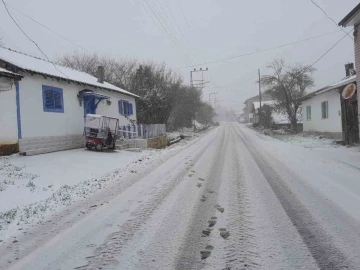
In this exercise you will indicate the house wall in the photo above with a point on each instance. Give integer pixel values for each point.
(357, 64)
(49, 131)
(8, 118)
(332, 124)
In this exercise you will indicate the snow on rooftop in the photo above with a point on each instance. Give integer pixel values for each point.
(38, 65)
(333, 86)
(2, 70)
(257, 103)
(344, 82)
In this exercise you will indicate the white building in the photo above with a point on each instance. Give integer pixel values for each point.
(322, 109)
(44, 111)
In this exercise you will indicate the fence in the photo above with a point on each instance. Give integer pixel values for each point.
(142, 131)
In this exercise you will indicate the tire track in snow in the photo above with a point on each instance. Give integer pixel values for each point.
(319, 243)
(105, 255)
(194, 245)
(240, 247)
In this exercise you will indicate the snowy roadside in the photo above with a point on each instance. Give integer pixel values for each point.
(330, 169)
(307, 140)
(32, 188)
(186, 132)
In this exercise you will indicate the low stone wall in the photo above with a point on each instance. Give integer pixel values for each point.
(157, 143)
(330, 135)
(8, 149)
(41, 145)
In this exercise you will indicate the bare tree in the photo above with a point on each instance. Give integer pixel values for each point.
(163, 96)
(287, 85)
(118, 72)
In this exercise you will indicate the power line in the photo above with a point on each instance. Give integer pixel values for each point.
(331, 48)
(312, 1)
(47, 27)
(163, 14)
(177, 24)
(233, 86)
(188, 24)
(30, 38)
(162, 28)
(261, 51)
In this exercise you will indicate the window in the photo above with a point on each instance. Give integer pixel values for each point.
(325, 110)
(308, 113)
(52, 99)
(125, 107)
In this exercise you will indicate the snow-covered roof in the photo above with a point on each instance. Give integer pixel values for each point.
(343, 82)
(257, 103)
(330, 87)
(38, 65)
(4, 71)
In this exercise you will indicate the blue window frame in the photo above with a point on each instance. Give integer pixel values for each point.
(52, 99)
(125, 107)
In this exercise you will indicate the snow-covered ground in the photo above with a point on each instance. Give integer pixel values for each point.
(187, 132)
(307, 140)
(332, 169)
(32, 187)
(231, 199)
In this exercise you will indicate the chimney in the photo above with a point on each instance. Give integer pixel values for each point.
(349, 69)
(101, 74)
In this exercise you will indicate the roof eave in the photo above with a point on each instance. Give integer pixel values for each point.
(73, 81)
(11, 75)
(344, 22)
(68, 80)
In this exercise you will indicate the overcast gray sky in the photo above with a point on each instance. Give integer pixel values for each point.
(218, 29)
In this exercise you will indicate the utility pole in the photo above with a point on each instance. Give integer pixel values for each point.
(198, 84)
(259, 95)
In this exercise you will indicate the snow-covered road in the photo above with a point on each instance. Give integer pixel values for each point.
(230, 200)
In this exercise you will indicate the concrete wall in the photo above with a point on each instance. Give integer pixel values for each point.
(357, 65)
(330, 125)
(49, 131)
(8, 117)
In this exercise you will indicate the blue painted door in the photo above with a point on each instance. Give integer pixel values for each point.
(89, 105)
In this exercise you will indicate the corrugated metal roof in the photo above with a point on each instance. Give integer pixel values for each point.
(5, 71)
(38, 65)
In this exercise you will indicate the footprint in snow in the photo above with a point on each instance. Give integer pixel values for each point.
(220, 209)
(201, 179)
(206, 232)
(224, 233)
(207, 252)
(190, 175)
(212, 221)
(199, 185)
(193, 171)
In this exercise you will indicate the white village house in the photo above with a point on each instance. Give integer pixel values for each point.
(322, 109)
(42, 105)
